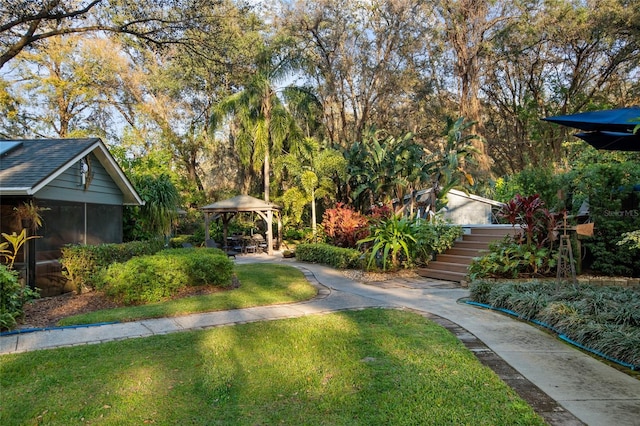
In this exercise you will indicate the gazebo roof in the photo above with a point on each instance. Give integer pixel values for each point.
(240, 203)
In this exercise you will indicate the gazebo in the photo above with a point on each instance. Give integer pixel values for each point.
(227, 209)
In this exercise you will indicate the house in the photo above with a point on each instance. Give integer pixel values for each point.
(461, 208)
(81, 190)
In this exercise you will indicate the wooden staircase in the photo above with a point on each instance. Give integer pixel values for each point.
(453, 264)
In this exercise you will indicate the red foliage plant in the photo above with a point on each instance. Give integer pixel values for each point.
(381, 212)
(345, 226)
(529, 212)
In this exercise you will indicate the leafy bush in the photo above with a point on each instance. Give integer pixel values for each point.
(337, 257)
(389, 241)
(631, 238)
(531, 180)
(614, 207)
(604, 255)
(344, 226)
(433, 237)
(606, 319)
(13, 296)
(83, 264)
(157, 277)
(509, 259)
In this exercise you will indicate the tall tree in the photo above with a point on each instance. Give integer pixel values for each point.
(68, 82)
(469, 27)
(261, 122)
(362, 58)
(559, 58)
(25, 23)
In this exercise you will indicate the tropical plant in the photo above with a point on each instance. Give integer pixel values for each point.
(451, 164)
(433, 237)
(510, 259)
(530, 214)
(29, 214)
(161, 202)
(390, 242)
(13, 296)
(383, 168)
(344, 226)
(15, 241)
(312, 172)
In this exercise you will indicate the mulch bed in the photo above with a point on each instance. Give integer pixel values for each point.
(46, 312)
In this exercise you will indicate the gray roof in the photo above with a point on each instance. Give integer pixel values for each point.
(28, 165)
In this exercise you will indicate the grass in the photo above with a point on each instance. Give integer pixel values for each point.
(365, 367)
(260, 284)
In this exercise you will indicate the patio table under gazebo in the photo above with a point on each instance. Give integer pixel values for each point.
(227, 209)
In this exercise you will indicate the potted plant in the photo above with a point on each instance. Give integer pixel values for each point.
(28, 215)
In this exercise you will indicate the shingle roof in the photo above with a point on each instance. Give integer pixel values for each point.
(32, 163)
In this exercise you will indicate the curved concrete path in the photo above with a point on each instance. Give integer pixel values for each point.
(561, 383)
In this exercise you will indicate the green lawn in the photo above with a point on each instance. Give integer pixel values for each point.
(260, 284)
(369, 367)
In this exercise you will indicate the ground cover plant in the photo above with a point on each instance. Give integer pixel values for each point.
(364, 367)
(259, 284)
(603, 319)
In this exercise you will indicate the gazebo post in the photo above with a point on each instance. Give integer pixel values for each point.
(269, 232)
(207, 216)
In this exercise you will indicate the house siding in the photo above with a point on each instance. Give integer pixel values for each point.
(68, 186)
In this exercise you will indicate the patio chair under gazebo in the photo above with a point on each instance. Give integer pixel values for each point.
(227, 209)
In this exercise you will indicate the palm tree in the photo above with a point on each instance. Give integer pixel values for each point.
(161, 203)
(261, 120)
(313, 170)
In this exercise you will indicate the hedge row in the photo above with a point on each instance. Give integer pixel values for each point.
(338, 257)
(153, 278)
(82, 264)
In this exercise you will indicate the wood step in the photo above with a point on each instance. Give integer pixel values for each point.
(453, 264)
(453, 258)
(495, 230)
(484, 238)
(446, 266)
(441, 275)
(464, 252)
(472, 245)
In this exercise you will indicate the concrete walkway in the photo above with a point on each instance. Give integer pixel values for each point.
(561, 383)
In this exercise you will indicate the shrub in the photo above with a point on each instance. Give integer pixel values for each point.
(337, 257)
(390, 240)
(13, 296)
(433, 237)
(153, 278)
(509, 259)
(83, 264)
(344, 226)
